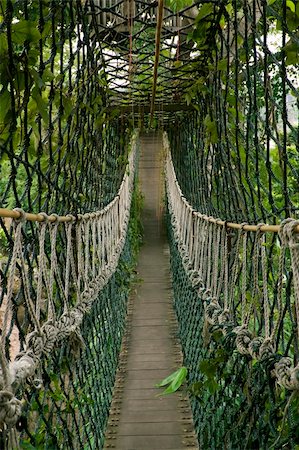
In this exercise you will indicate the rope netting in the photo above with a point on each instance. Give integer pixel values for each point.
(233, 167)
(64, 294)
(68, 71)
(238, 312)
(66, 264)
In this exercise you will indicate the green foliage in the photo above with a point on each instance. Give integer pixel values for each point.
(25, 30)
(178, 5)
(174, 381)
(41, 96)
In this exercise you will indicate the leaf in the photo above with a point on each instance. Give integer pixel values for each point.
(175, 381)
(292, 58)
(47, 75)
(42, 106)
(205, 11)
(292, 53)
(270, 2)
(177, 64)
(196, 388)
(37, 79)
(3, 44)
(222, 64)
(212, 385)
(5, 102)
(47, 30)
(25, 30)
(168, 379)
(25, 445)
(229, 8)
(178, 5)
(67, 105)
(207, 367)
(211, 127)
(291, 5)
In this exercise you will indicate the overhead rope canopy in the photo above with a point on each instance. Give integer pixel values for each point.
(77, 80)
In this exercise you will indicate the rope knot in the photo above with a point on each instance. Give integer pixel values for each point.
(287, 376)
(195, 278)
(255, 346)
(213, 311)
(207, 295)
(10, 409)
(54, 219)
(22, 216)
(201, 290)
(224, 317)
(69, 323)
(266, 350)
(35, 342)
(243, 339)
(286, 230)
(50, 333)
(45, 218)
(23, 367)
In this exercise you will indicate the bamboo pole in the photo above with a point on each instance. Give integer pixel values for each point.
(237, 226)
(13, 214)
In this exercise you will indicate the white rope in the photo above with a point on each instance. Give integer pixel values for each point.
(207, 266)
(95, 241)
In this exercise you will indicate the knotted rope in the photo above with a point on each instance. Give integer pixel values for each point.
(207, 267)
(94, 242)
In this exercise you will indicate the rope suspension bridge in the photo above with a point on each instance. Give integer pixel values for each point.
(96, 98)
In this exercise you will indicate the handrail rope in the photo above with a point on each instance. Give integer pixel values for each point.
(233, 225)
(42, 338)
(217, 310)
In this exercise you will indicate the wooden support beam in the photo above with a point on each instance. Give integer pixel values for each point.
(157, 54)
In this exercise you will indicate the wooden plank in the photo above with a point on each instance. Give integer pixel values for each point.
(144, 419)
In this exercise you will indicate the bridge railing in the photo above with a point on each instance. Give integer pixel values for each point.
(236, 294)
(72, 259)
(62, 291)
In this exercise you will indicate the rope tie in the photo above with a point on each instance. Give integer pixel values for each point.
(10, 409)
(243, 339)
(244, 275)
(225, 267)
(293, 243)
(85, 274)
(209, 273)
(223, 260)
(213, 311)
(235, 271)
(287, 376)
(68, 230)
(42, 270)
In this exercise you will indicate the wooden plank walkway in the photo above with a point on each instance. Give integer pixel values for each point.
(139, 418)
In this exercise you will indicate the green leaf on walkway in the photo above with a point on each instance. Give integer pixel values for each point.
(174, 381)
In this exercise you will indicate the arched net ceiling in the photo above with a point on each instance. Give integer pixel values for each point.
(127, 33)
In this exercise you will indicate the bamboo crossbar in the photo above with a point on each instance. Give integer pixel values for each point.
(13, 214)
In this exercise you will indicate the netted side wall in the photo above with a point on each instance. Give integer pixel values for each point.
(70, 408)
(236, 160)
(64, 154)
(236, 401)
(60, 150)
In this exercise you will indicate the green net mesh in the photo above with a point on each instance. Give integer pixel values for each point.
(75, 77)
